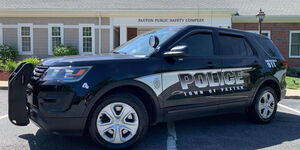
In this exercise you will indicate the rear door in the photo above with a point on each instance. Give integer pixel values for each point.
(239, 68)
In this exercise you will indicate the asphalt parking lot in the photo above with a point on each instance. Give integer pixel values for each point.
(230, 132)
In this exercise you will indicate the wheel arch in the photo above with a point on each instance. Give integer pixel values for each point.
(271, 82)
(137, 88)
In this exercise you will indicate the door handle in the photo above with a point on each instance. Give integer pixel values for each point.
(255, 62)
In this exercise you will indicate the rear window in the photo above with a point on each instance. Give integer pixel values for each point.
(234, 46)
(269, 47)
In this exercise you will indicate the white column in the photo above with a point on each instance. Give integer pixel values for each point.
(111, 34)
(99, 32)
(1, 34)
(123, 34)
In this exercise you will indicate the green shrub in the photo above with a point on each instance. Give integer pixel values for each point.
(7, 53)
(293, 71)
(2, 67)
(10, 65)
(64, 51)
(35, 61)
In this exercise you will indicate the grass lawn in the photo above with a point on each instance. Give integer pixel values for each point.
(291, 84)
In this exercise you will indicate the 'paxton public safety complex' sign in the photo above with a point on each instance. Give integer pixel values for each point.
(170, 20)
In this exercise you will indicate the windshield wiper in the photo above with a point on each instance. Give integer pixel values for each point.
(116, 52)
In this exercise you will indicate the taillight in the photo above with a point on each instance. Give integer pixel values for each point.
(285, 64)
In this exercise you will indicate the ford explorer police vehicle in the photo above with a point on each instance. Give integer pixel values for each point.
(172, 73)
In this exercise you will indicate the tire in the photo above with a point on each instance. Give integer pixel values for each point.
(261, 111)
(118, 114)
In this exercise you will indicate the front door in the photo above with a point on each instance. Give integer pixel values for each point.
(189, 81)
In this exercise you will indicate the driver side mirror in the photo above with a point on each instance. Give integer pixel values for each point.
(153, 41)
(177, 51)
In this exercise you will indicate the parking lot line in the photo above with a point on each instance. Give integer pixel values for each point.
(2, 117)
(171, 141)
(289, 108)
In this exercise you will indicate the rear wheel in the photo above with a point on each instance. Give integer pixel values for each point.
(119, 121)
(264, 106)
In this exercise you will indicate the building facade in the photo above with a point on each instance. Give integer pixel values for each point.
(34, 28)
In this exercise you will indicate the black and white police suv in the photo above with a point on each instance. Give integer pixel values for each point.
(168, 74)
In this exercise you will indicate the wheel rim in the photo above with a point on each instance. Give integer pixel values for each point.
(117, 123)
(266, 105)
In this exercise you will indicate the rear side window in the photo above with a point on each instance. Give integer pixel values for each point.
(269, 47)
(200, 44)
(234, 46)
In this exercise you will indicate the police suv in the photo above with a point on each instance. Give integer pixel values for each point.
(168, 74)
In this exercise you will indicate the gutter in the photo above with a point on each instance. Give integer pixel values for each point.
(268, 19)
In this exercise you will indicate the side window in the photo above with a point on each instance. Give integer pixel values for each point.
(234, 46)
(200, 44)
(269, 47)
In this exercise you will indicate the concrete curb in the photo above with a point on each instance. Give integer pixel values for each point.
(3, 88)
(3, 85)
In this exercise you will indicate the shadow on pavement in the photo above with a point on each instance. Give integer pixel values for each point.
(234, 131)
(43, 140)
(230, 132)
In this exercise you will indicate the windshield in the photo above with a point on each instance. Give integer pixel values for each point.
(140, 44)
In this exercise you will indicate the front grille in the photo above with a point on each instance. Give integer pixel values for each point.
(32, 88)
(38, 72)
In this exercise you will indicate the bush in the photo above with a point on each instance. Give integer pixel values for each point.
(10, 66)
(2, 67)
(7, 53)
(35, 61)
(293, 72)
(64, 51)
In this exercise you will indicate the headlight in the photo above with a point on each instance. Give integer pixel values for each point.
(67, 73)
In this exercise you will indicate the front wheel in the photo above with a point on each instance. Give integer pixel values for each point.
(119, 121)
(264, 106)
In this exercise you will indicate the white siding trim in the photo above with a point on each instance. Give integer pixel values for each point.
(50, 48)
(20, 38)
(290, 43)
(105, 27)
(263, 31)
(81, 39)
(10, 26)
(65, 26)
(1, 34)
(40, 26)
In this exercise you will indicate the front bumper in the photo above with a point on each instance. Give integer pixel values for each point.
(56, 112)
(52, 107)
(58, 125)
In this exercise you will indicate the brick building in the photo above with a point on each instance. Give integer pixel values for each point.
(35, 27)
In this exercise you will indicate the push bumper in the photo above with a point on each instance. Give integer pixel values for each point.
(58, 125)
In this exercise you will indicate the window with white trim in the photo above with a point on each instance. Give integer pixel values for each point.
(266, 33)
(55, 36)
(25, 41)
(87, 39)
(294, 44)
